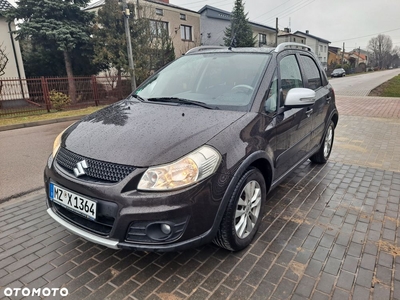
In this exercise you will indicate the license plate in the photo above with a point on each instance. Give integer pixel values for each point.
(72, 201)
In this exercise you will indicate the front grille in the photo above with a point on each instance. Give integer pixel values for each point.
(97, 169)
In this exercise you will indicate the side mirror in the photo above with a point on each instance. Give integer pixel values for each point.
(299, 97)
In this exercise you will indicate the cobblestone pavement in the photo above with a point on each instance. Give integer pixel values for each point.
(329, 232)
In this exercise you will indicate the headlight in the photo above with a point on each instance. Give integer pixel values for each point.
(188, 170)
(57, 142)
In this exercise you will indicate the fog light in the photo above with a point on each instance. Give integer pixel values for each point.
(165, 228)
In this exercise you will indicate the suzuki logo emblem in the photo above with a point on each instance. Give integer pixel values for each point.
(80, 168)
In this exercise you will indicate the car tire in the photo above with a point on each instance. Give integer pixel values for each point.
(325, 150)
(243, 213)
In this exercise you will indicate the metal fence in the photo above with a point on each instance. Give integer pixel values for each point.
(20, 96)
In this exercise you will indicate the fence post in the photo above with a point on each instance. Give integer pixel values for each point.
(95, 91)
(45, 91)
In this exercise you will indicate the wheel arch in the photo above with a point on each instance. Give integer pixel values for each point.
(335, 118)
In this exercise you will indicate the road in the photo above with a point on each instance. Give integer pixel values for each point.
(361, 85)
(23, 156)
(24, 152)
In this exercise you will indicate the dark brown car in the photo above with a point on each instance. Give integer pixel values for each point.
(190, 156)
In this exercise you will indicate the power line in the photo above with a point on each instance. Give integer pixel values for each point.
(271, 10)
(359, 37)
(290, 11)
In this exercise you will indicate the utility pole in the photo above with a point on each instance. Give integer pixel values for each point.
(343, 55)
(276, 34)
(358, 56)
(127, 13)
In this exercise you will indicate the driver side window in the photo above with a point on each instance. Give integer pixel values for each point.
(290, 75)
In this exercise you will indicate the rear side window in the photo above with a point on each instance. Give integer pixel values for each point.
(290, 75)
(311, 71)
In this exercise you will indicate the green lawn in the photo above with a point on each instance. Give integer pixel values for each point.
(41, 116)
(392, 88)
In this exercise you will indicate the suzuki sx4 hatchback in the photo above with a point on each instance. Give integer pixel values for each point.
(190, 156)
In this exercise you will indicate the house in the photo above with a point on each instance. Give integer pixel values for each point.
(14, 67)
(334, 56)
(286, 36)
(183, 25)
(214, 21)
(319, 46)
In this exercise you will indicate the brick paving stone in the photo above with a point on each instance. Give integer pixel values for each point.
(213, 280)
(170, 285)
(199, 294)
(147, 288)
(125, 275)
(345, 280)
(284, 289)
(305, 286)
(242, 291)
(233, 279)
(326, 283)
(123, 291)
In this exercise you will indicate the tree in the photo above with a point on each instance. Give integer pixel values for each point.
(109, 36)
(3, 63)
(396, 57)
(151, 45)
(58, 22)
(3, 59)
(381, 47)
(46, 60)
(239, 33)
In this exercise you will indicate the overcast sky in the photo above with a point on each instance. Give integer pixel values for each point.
(354, 22)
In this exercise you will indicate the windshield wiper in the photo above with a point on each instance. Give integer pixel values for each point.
(181, 101)
(138, 97)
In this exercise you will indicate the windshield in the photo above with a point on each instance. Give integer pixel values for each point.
(219, 80)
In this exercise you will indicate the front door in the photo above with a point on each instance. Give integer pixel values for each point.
(293, 126)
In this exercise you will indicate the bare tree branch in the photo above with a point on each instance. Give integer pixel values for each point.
(3, 59)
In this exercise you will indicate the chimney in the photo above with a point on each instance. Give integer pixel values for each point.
(286, 30)
(307, 32)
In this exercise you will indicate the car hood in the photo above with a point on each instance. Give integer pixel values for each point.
(145, 134)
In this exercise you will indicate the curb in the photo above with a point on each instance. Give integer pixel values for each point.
(39, 123)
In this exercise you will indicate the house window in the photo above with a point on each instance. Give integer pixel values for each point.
(294, 39)
(186, 32)
(262, 39)
(302, 41)
(182, 16)
(159, 12)
(158, 28)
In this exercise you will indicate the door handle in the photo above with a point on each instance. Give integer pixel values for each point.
(309, 112)
(328, 99)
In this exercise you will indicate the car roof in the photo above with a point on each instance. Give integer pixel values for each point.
(222, 49)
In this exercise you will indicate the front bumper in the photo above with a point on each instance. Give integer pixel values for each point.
(131, 219)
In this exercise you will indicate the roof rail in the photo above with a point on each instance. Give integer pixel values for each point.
(291, 45)
(204, 48)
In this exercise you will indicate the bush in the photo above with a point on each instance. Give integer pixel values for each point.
(59, 100)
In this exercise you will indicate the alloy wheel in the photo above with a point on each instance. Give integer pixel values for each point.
(328, 141)
(248, 209)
